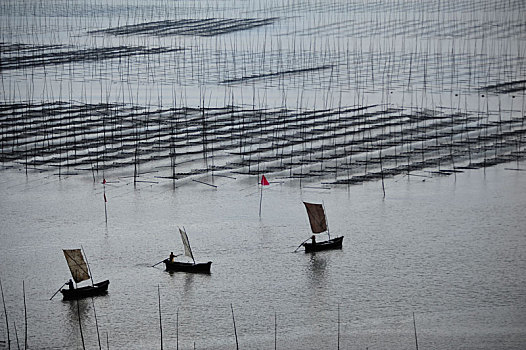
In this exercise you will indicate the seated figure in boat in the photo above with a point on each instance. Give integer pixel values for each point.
(70, 284)
(313, 239)
(172, 256)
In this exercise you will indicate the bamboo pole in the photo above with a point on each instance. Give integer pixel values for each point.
(338, 326)
(414, 326)
(96, 322)
(16, 336)
(80, 326)
(160, 317)
(6, 318)
(25, 314)
(234, 322)
(275, 331)
(105, 202)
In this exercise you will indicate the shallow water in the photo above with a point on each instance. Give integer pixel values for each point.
(449, 249)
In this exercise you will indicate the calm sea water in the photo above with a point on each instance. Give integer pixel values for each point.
(450, 249)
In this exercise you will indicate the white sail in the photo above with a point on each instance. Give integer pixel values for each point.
(77, 265)
(186, 244)
(318, 222)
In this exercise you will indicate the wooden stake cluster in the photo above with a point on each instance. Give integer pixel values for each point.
(349, 144)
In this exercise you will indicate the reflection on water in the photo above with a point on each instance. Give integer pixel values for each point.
(316, 269)
(77, 318)
(78, 308)
(188, 283)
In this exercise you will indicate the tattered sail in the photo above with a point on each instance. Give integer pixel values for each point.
(186, 244)
(77, 265)
(318, 223)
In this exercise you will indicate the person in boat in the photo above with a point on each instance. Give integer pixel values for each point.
(313, 239)
(70, 284)
(172, 256)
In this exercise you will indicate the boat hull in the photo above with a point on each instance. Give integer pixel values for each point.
(334, 243)
(177, 266)
(100, 288)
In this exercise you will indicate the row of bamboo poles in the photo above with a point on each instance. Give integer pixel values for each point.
(348, 144)
(82, 307)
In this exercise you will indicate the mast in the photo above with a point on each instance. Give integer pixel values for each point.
(87, 264)
(326, 221)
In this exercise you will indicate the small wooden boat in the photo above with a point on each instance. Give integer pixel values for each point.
(100, 288)
(179, 266)
(334, 243)
(80, 272)
(318, 224)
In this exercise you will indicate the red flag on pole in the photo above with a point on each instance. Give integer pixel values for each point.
(103, 181)
(264, 182)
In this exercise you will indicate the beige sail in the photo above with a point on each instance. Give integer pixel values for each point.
(77, 265)
(318, 223)
(186, 244)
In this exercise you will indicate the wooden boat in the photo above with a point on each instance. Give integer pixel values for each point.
(318, 224)
(179, 266)
(100, 288)
(176, 266)
(80, 272)
(334, 243)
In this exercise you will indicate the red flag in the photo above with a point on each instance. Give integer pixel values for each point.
(264, 181)
(105, 200)
(103, 181)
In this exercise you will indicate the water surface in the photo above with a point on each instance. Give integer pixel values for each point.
(449, 249)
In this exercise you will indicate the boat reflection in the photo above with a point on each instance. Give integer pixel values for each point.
(316, 269)
(76, 307)
(77, 310)
(188, 283)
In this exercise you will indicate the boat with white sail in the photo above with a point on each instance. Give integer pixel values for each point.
(181, 266)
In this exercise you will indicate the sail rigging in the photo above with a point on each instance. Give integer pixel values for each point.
(183, 266)
(77, 265)
(318, 222)
(186, 244)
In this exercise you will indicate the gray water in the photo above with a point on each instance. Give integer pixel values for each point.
(442, 87)
(450, 249)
